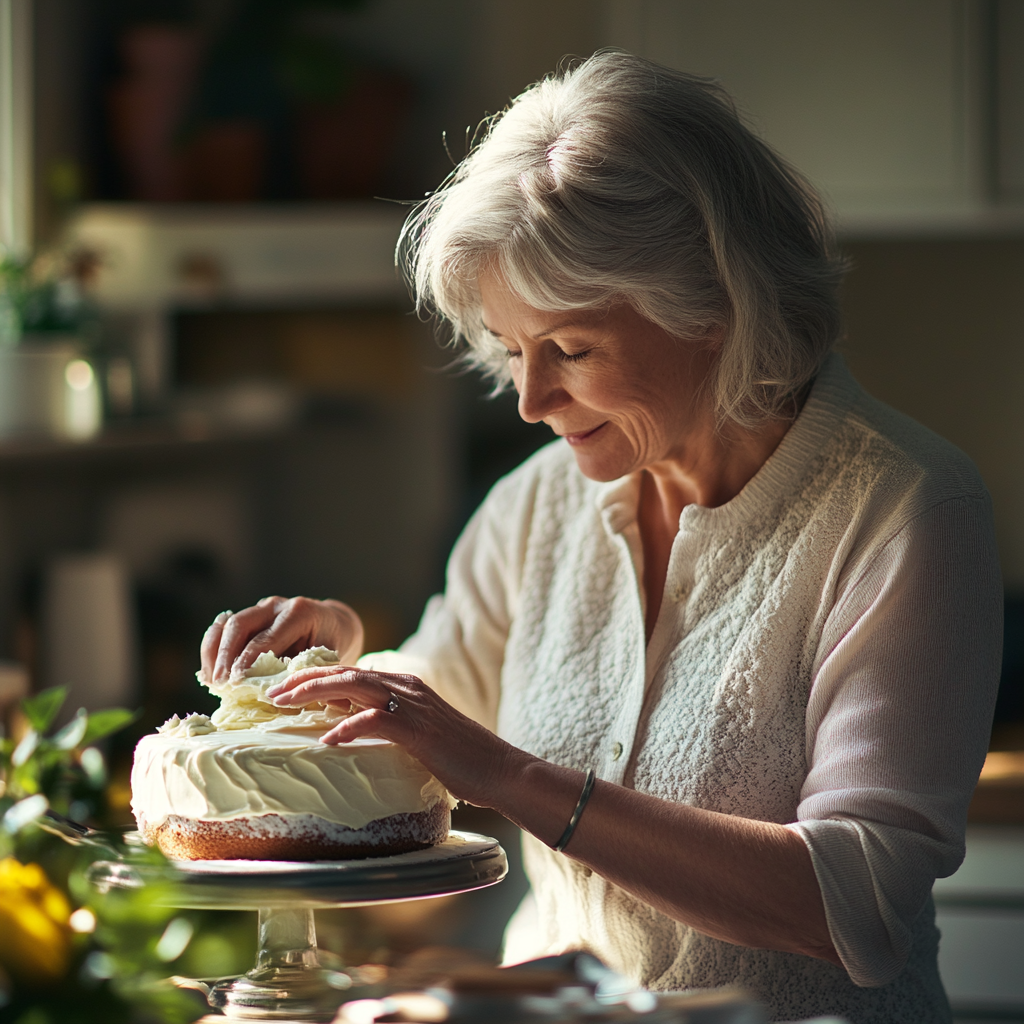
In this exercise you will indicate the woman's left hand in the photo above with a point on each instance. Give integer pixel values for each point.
(467, 758)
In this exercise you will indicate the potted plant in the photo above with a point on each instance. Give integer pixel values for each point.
(48, 387)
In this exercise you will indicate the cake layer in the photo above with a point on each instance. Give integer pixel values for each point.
(193, 770)
(298, 836)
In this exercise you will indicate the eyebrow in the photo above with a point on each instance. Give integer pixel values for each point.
(557, 326)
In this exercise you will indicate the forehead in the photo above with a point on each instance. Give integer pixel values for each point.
(502, 307)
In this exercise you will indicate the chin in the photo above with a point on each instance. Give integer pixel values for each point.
(602, 470)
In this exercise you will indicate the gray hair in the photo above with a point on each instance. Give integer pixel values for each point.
(622, 180)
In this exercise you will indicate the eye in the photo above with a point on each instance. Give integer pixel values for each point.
(509, 354)
(573, 357)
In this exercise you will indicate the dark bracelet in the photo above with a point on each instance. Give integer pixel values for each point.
(588, 788)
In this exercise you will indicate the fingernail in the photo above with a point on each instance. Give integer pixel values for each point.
(275, 689)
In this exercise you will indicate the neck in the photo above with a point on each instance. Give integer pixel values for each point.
(719, 468)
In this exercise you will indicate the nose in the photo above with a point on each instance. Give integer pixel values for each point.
(540, 389)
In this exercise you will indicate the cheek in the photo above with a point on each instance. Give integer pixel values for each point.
(644, 428)
(646, 415)
(622, 392)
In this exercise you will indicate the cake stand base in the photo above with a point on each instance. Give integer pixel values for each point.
(288, 982)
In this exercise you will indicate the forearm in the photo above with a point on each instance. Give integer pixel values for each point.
(747, 882)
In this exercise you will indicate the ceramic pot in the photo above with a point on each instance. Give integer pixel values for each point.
(47, 390)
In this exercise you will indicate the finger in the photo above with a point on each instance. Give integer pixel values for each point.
(210, 645)
(350, 685)
(306, 675)
(368, 689)
(236, 633)
(293, 626)
(371, 722)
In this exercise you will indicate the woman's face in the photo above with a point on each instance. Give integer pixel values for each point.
(623, 392)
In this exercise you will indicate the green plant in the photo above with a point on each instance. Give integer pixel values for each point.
(58, 771)
(69, 953)
(44, 294)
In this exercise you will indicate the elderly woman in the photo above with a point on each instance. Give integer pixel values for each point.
(760, 607)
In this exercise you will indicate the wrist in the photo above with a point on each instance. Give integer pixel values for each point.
(350, 636)
(541, 797)
(589, 780)
(497, 786)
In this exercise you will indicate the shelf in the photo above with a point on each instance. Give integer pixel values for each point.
(194, 257)
(162, 439)
(153, 256)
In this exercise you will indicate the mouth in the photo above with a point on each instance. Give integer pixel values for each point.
(584, 436)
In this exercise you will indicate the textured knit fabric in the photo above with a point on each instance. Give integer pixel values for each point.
(826, 657)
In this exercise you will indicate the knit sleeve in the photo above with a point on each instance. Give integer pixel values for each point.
(459, 646)
(897, 729)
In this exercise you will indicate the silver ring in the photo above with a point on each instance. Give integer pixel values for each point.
(392, 705)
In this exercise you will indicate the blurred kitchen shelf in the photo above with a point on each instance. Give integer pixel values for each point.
(162, 255)
(162, 440)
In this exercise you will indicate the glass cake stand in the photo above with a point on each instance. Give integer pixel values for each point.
(288, 981)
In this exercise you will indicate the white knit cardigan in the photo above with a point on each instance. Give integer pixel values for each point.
(826, 657)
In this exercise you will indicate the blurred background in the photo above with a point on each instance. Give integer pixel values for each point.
(212, 389)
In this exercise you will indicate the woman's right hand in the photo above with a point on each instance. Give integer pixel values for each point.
(284, 625)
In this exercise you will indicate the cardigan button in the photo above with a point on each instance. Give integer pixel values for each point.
(616, 751)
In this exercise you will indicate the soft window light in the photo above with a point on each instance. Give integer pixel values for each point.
(79, 375)
(83, 411)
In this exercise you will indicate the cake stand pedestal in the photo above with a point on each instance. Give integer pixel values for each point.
(288, 983)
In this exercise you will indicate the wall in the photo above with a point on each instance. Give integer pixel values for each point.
(936, 329)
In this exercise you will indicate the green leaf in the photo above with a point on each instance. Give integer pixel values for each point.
(71, 735)
(26, 748)
(24, 780)
(103, 723)
(42, 709)
(24, 812)
(95, 767)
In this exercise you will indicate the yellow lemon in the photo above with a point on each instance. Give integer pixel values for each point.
(35, 938)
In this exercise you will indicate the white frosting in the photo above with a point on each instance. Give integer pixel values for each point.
(251, 758)
(190, 725)
(244, 703)
(219, 775)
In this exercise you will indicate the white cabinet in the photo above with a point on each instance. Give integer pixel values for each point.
(891, 108)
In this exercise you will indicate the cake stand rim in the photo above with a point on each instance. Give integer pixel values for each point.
(438, 853)
(419, 874)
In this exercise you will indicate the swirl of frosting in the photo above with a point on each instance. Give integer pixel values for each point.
(244, 703)
(190, 725)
